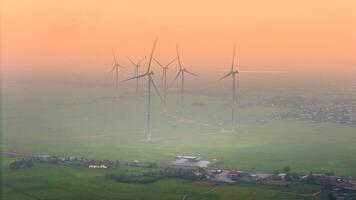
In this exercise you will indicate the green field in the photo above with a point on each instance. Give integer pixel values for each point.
(77, 120)
(45, 181)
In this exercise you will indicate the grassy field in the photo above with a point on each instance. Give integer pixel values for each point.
(45, 181)
(81, 120)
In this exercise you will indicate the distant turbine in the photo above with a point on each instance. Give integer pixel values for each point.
(148, 74)
(164, 76)
(116, 66)
(137, 66)
(233, 74)
(181, 73)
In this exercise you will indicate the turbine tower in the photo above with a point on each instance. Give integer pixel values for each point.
(233, 73)
(164, 76)
(150, 82)
(115, 68)
(137, 66)
(181, 73)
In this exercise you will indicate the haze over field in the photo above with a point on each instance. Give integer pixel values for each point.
(60, 53)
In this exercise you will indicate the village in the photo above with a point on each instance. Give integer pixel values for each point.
(204, 170)
(306, 109)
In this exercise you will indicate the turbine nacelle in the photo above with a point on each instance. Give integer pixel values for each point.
(164, 66)
(136, 64)
(118, 65)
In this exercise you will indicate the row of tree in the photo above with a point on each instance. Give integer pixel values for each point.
(155, 175)
(19, 164)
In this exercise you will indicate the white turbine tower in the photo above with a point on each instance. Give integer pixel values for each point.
(137, 66)
(115, 67)
(181, 73)
(150, 82)
(233, 74)
(164, 77)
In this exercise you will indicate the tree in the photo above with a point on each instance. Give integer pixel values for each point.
(21, 164)
(286, 169)
(331, 196)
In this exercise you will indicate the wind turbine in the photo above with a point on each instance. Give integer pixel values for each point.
(181, 73)
(233, 74)
(137, 66)
(150, 82)
(115, 67)
(164, 76)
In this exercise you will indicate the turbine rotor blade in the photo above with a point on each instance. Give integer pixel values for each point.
(190, 73)
(228, 74)
(176, 77)
(136, 77)
(107, 76)
(113, 68)
(233, 56)
(131, 61)
(113, 52)
(141, 60)
(158, 62)
(149, 63)
(171, 62)
(155, 87)
(180, 65)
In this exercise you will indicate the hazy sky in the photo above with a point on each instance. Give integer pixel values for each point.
(75, 37)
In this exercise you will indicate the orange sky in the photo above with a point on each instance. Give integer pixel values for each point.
(42, 37)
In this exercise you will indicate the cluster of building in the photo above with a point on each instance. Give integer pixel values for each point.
(331, 112)
(191, 161)
(235, 176)
(340, 187)
(97, 166)
(316, 110)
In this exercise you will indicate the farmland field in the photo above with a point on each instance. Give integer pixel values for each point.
(87, 121)
(45, 181)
